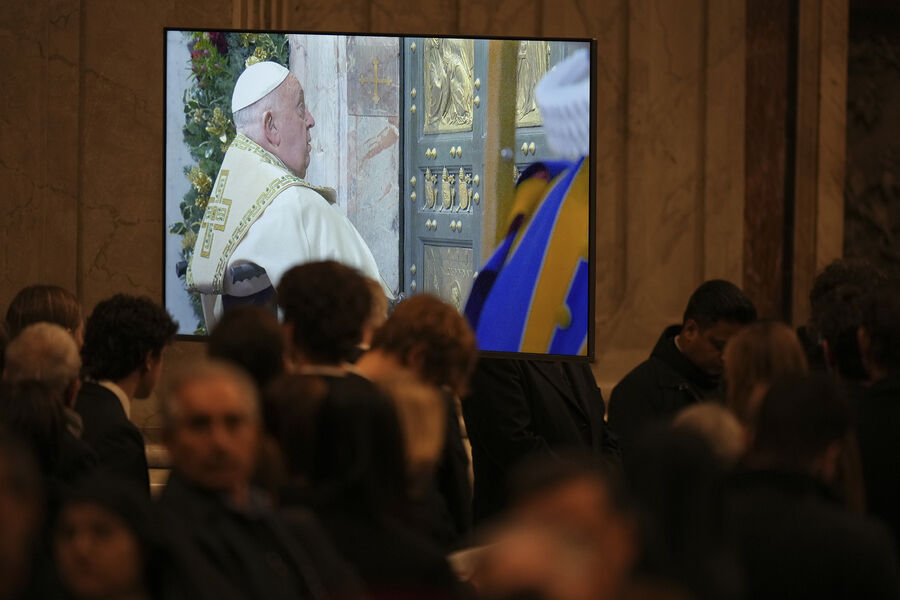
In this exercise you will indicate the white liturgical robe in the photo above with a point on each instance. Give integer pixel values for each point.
(263, 214)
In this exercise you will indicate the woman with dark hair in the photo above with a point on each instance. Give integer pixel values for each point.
(45, 303)
(344, 451)
(104, 542)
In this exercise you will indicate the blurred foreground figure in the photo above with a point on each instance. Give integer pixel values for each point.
(24, 569)
(569, 536)
(794, 538)
(105, 542)
(219, 526)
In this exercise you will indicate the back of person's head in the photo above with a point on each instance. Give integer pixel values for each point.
(33, 411)
(121, 333)
(718, 426)
(858, 273)
(838, 317)
(251, 338)
(880, 325)
(799, 419)
(46, 353)
(325, 305)
(121, 558)
(719, 300)
(432, 338)
(755, 356)
(44, 303)
(21, 499)
(352, 455)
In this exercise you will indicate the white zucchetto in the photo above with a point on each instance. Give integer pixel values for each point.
(256, 82)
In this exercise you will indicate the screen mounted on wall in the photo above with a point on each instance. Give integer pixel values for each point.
(454, 167)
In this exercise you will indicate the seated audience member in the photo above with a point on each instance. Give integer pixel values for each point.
(251, 338)
(755, 356)
(685, 366)
(48, 304)
(215, 522)
(718, 426)
(794, 538)
(430, 339)
(878, 407)
(675, 480)
(122, 359)
(344, 448)
(25, 571)
(325, 306)
(46, 354)
(832, 316)
(520, 409)
(570, 534)
(105, 542)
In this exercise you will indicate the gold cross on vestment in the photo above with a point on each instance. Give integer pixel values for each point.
(374, 80)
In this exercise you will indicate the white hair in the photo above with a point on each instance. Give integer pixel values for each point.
(249, 120)
(43, 352)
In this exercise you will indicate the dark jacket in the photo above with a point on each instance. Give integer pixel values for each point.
(657, 388)
(444, 513)
(225, 552)
(528, 408)
(116, 440)
(878, 433)
(392, 560)
(794, 540)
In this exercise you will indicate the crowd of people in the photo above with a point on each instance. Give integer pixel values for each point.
(329, 450)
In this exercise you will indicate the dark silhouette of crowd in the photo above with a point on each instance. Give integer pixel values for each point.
(334, 451)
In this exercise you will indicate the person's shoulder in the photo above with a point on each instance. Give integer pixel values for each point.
(646, 373)
(94, 399)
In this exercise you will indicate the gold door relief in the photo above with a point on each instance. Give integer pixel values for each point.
(449, 85)
(533, 61)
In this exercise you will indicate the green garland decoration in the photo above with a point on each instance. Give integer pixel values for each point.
(217, 60)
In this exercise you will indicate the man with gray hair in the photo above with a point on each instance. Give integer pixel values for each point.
(47, 354)
(263, 217)
(216, 523)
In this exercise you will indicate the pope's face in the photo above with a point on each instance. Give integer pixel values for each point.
(294, 122)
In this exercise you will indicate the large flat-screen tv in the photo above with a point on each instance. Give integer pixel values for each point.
(431, 164)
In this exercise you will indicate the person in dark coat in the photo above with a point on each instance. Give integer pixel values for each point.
(793, 536)
(344, 448)
(429, 338)
(878, 407)
(214, 521)
(522, 409)
(686, 364)
(122, 359)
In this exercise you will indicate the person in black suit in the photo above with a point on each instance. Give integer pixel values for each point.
(686, 364)
(122, 358)
(525, 408)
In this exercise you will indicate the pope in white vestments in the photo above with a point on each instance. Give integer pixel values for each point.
(262, 211)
